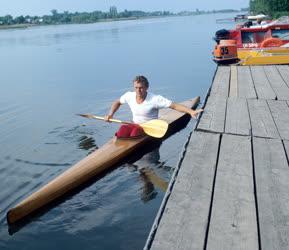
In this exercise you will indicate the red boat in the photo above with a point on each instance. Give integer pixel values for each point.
(263, 34)
(248, 35)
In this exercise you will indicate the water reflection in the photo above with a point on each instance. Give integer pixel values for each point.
(82, 135)
(147, 166)
(42, 163)
(87, 143)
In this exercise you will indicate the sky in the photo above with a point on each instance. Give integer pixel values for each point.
(42, 7)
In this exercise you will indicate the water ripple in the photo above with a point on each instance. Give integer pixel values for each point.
(42, 163)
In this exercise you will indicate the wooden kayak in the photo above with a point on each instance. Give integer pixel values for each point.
(98, 161)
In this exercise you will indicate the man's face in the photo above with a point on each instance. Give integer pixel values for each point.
(140, 89)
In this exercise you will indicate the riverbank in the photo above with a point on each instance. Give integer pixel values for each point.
(16, 26)
(26, 25)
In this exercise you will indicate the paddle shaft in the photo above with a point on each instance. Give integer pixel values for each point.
(111, 120)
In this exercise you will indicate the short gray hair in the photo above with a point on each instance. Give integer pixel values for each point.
(141, 79)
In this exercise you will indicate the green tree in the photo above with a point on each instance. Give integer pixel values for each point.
(8, 19)
(19, 20)
(54, 12)
(65, 17)
(269, 6)
(113, 11)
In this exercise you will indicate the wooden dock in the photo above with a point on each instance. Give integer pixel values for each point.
(231, 189)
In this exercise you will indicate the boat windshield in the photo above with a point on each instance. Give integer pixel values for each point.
(247, 37)
(260, 36)
(282, 34)
(253, 37)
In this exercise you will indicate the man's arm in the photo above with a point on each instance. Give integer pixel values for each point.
(184, 109)
(114, 107)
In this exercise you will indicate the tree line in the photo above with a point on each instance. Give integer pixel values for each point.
(274, 8)
(78, 17)
(90, 17)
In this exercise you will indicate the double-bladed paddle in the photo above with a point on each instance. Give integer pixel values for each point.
(155, 128)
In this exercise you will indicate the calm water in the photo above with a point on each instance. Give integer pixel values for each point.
(48, 74)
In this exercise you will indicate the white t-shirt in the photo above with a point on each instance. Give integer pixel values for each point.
(148, 109)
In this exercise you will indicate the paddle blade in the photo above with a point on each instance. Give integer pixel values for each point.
(90, 116)
(155, 128)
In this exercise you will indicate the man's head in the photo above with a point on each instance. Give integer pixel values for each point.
(141, 86)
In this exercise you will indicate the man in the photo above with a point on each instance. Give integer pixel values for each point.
(145, 105)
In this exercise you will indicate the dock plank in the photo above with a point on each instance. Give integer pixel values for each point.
(220, 86)
(245, 83)
(272, 178)
(277, 82)
(233, 222)
(286, 145)
(213, 117)
(234, 82)
(284, 71)
(185, 219)
(262, 85)
(261, 119)
(280, 113)
(237, 118)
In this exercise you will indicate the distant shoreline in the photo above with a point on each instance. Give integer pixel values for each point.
(17, 26)
(29, 25)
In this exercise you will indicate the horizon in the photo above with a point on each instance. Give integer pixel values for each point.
(32, 7)
(72, 12)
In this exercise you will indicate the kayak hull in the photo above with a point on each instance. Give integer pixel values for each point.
(95, 163)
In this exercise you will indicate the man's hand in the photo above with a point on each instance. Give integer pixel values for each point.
(108, 117)
(114, 107)
(181, 108)
(194, 113)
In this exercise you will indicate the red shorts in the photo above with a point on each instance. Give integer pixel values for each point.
(129, 131)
